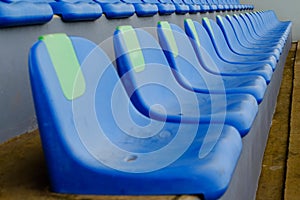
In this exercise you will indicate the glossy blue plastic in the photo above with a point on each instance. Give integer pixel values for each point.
(143, 9)
(247, 42)
(164, 7)
(99, 143)
(19, 13)
(212, 7)
(181, 8)
(251, 38)
(194, 8)
(220, 6)
(116, 9)
(253, 33)
(235, 45)
(223, 68)
(192, 76)
(156, 93)
(226, 53)
(204, 7)
(261, 28)
(74, 10)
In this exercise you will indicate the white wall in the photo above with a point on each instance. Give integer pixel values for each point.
(285, 10)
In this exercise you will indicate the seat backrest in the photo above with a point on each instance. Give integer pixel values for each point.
(237, 28)
(243, 25)
(216, 37)
(228, 32)
(248, 24)
(116, 9)
(25, 12)
(202, 45)
(72, 82)
(182, 58)
(147, 76)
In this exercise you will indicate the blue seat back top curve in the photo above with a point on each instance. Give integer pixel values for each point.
(164, 7)
(92, 135)
(181, 8)
(19, 13)
(116, 8)
(74, 10)
(194, 8)
(143, 9)
(204, 7)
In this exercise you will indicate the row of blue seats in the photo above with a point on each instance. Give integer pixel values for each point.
(25, 12)
(169, 120)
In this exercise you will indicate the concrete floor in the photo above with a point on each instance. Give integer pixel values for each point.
(23, 172)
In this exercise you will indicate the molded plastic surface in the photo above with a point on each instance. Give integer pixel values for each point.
(164, 7)
(99, 143)
(77, 10)
(226, 53)
(245, 41)
(204, 7)
(194, 77)
(143, 9)
(236, 46)
(116, 9)
(181, 8)
(194, 8)
(223, 67)
(156, 93)
(19, 13)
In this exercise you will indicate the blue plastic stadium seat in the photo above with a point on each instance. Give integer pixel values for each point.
(245, 41)
(194, 8)
(154, 90)
(116, 9)
(225, 5)
(235, 5)
(200, 38)
(96, 142)
(226, 53)
(193, 76)
(252, 38)
(229, 3)
(254, 30)
(76, 10)
(220, 6)
(143, 9)
(204, 7)
(181, 8)
(19, 13)
(212, 7)
(163, 8)
(235, 44)
(270, 19)
(262, 28)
